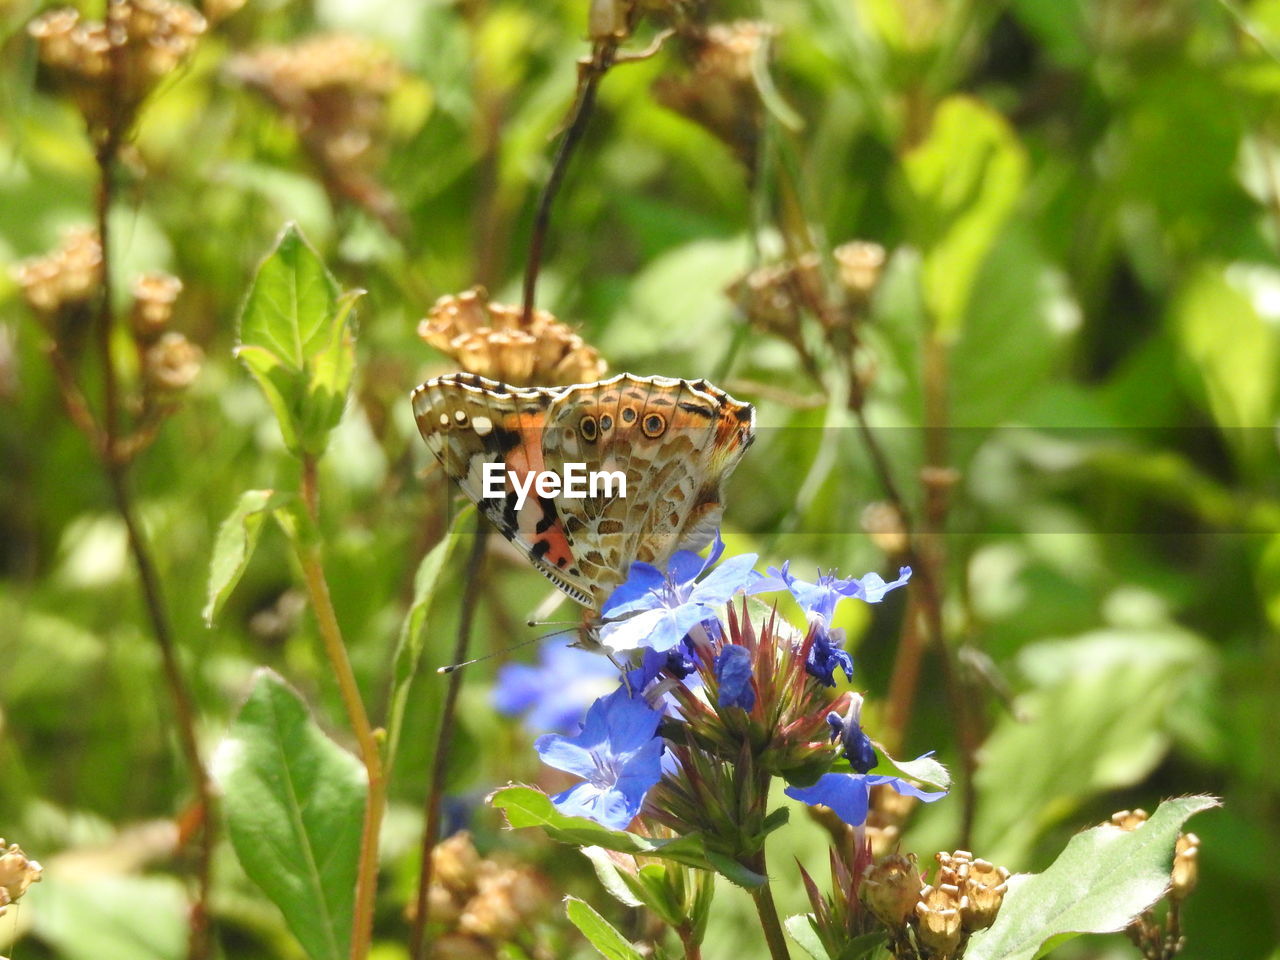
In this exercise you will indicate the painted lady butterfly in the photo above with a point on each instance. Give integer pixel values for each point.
(675, 441)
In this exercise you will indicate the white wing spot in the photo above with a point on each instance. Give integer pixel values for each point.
(444, 419)
(482, 425)
(460, 416)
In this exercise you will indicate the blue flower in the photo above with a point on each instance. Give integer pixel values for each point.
(847, 793)
(733, 674)
(657, 609)
(827, 652)
(857, 746)
(678, 661)
(555, 694)
(819, 599)
(617, 754)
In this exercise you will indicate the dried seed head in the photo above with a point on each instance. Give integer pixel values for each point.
(719, 91)
(493, 340)
(953, 867)
(154, 295)
(17, 873)
(1186, 868)
(456, 864)
(172, 363)
(456, 946)
(505, 900)
(883, 523)
(984, 888)
(108, 68)
(68, 276)
(859, 265)
(774, 297)
(1129, 819)
(938, 920)
(891, 888)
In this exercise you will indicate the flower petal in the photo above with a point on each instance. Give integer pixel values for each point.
(906, 787)
(733, 673)
(563, 754)
(725, 580)
(844, 793)
(638, 592)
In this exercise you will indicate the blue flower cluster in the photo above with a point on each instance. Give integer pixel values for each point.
(618, 752)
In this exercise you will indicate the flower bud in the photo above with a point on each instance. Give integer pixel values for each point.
(153, 298)
(1185, 866)
(938, 920)
(172, 363)
(891, 888)
(984, 888)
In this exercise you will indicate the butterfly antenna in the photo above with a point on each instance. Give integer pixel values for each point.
(450, 668)
(551, 623)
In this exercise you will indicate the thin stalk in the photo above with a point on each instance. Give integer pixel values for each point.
(594, 70)
(419, 945)
(370, 753)
(689, 940)
(116, 468)
(767, 911)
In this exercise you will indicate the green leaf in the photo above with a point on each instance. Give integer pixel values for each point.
(621, 885)
(84, 914)
(1233, 354)
(1097, 717)
(296, 340)
(409, 645)
(294, 803)
(1103, 879)
(964, 181)
(527, 807)
(925, 769)
(597, 929)
(291, 298)
(800, 929)
(234, 545)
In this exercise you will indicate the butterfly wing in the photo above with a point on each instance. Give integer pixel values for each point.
(469, 422)
(674, 441)
(666, 446)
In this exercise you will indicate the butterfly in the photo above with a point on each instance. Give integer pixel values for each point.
(672, 442)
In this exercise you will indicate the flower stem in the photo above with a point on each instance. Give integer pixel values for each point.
(767, 910)
(105, 440)
(419, 945)
(689, 940)
(370, 753)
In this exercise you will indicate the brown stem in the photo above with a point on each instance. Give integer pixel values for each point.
(116, 468)
(688, 940)
(370, 752)
(419, 945)
(593, 70)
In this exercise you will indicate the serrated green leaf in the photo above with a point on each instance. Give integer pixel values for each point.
(234, 545)
(800, 929)
(282, 387)
(1102, 880)
(294, 803)
(964, 181)
(735, 872)
(409, 645)
(608, 941)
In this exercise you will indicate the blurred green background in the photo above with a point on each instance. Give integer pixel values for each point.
(1080, 201)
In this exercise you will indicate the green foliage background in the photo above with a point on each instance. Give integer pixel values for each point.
(1082, 198)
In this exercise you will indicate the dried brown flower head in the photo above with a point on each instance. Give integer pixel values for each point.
(108, 67)
(334, 89)
(493, 340)
(984, 888)
(1129, 819)
(774, 297)
(172, 363)
(60, 287)
(890, 889)
(154, 295)
(938, 920)
(859, 265)
(17, 873)
(1186, 868)
(719, 92)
